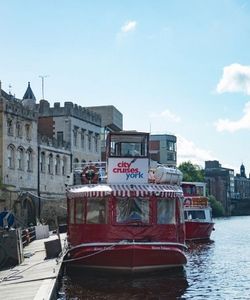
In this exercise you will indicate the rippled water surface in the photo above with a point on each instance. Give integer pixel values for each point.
(219, 269)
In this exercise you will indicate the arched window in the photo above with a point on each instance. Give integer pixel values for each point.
(57, 165)
(20, 158)
(28, 131)
(50, 165)
(29, 160)
(43, 161)
(10, 127)
(11, 156)
(19, 129)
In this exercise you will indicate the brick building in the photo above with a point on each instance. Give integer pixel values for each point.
(220, 183)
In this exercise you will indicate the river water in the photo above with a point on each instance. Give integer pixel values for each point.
(219, 269)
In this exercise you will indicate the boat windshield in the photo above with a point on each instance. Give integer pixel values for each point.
(194, 215)
(129, 210)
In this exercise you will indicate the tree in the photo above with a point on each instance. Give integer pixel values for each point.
(191, 172)
(217, 208)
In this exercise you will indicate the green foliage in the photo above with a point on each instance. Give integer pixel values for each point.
(191, 172)
(217, 208)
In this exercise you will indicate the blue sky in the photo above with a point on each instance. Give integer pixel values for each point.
(180, 67)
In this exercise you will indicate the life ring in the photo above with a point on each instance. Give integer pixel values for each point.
(90, 175)
(187, 202)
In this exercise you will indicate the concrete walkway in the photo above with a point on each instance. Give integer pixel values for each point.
(35, 278)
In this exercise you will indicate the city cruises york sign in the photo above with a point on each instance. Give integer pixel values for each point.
(127, 170)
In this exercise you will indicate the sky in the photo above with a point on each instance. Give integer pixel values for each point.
(169, 66)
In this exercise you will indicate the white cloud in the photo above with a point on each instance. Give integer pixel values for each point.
(188, 151)
(232, 126)
(235, 78)
(167, 115)
(129, 26)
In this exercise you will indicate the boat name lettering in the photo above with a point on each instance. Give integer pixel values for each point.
(99, 248)
(159, 248)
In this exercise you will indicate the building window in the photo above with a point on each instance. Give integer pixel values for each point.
(75, 136)
(171, 146)
(64, 166)
(20, 158)
(171, 156)
(19, 129)
(28, 131)
(82, 138)
(90, 140)
(11, 157)
(10, 127)
(57, 165)
(29, 160)
(43, 161)
(96, 142)
(60, 138)
(50, 165)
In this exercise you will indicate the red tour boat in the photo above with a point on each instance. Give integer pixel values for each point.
(197, 211)
(126, 223)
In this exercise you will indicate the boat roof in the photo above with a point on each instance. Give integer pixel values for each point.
(125, 190)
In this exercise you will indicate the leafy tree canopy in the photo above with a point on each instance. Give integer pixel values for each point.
(217, 207)
(191, 172)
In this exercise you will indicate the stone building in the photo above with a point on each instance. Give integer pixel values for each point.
(220, 183)
(18, 160)
(162, 148)
(40, 145)
(112, 120)
(242, 185)
(75, 125)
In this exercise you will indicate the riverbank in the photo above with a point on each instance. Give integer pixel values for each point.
(36, 278)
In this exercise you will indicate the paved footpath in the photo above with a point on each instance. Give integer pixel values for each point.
(36, 278)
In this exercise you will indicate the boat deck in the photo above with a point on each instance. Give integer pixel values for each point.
(36, 277)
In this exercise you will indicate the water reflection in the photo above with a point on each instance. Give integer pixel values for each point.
(219, 269)
(160, 285)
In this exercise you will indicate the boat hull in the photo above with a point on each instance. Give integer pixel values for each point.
(127, 258)
(196, 230)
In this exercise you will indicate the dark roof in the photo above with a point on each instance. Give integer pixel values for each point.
(6, 95)
(29, 93)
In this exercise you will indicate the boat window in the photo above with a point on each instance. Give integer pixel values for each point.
(129, 145)
(189, 190)
(132, 210)
(195, 214)
(72, 211)
(96, 211)
(166, 211)
(79, 203)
